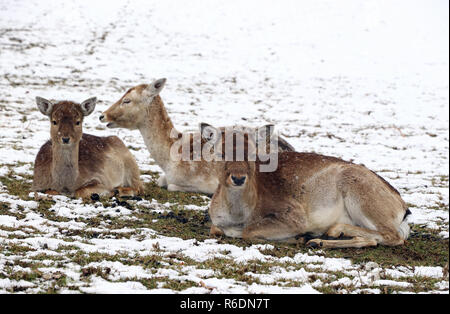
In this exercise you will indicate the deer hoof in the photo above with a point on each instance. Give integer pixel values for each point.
(216, 231)
(315, 243)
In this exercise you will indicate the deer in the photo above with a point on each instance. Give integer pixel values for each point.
(141, 108)
(79, 164)
(319, 200)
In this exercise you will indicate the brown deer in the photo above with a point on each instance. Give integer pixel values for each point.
(80, 164)
(309, 195)
(141, 108)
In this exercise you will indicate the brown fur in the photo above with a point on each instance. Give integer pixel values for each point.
(86, 164)
(91, 153)
(309, 194)
(142, 108)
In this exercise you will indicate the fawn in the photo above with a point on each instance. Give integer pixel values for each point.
(141, 108)
(308, 195)
(80, 164)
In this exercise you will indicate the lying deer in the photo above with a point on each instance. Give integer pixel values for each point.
(307, 195)
(80, 164)
(142, 108)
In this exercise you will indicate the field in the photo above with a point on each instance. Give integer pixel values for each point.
(363, 81)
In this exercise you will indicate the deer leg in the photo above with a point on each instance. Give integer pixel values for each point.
(126, 191)
(216, 231)
(133, 185)
(356, 242)
(360, 237)
(271, 229)
(90, 188)
(374, 207)
(178, 188)
(162, 181)
(138, 187)
(52, 192)
(345, 230)
(181, 188)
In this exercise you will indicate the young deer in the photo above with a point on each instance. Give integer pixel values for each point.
(308, 195)
(141, 108)
(80, 164)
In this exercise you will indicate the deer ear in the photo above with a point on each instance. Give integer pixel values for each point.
(45, 106)
(88, 106)
(156, 87)
(265, 132)
(209, 133)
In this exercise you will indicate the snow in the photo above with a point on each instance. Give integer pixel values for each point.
(361, 80)
(102, 286)
(6, 283)
(392, 283)
(424, 271)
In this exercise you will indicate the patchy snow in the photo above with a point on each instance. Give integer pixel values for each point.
(6, 284)
(100, 285)
(424, 271)
(358, 80)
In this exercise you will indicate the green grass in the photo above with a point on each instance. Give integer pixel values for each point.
(20, 188)
(191, 224)
(162, 195)
(424, 247)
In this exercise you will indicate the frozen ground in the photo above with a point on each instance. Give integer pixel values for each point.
(362, 80)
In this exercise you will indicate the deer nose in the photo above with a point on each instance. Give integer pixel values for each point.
(66, 140)
(101, 118)
(238, 180)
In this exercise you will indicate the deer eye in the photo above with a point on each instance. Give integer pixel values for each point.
(78, 123)
(54, 122)
(126, 101)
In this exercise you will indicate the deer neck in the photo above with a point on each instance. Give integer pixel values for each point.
(242, 202)
(156, 131)
(65, 167)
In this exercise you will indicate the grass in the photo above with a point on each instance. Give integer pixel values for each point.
(417, 252)
(17, 187)
(424, 247)
(161, 195)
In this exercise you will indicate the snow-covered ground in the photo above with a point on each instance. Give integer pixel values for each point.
(362, 80)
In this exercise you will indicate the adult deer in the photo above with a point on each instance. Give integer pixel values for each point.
(141, 108)
(308, 195)
(80, 164)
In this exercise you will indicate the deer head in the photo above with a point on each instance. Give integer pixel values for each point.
(237, 149)
(66, 119)
(128, 111)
